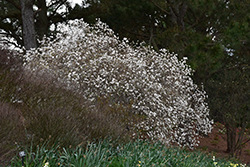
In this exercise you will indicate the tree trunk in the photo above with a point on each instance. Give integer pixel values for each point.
(29, 34)
(231, 139)
(42, 22)
(178, 12)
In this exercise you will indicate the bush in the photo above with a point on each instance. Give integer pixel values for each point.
(95, 63)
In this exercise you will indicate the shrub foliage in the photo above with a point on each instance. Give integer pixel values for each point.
(92, 61)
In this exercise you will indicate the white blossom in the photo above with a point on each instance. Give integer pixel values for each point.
(101, 65)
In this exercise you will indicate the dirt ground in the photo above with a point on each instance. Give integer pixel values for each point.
(216, 143)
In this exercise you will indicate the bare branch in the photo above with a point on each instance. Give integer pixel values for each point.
(158, 6)
(14, 4)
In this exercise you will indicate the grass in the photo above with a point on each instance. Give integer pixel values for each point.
(108, 153)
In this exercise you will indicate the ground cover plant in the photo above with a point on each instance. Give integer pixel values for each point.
(156, 85)
(105, 153)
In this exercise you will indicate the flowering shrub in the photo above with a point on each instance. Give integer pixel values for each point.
(92, 60)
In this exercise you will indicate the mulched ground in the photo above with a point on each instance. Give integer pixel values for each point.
(216, 143)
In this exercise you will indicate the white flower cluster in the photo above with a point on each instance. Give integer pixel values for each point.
(157, 84)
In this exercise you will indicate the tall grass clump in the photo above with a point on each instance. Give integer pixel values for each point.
(35, 106)
(11, 121)
(11, 131)
(11, 69)
(92, 61)
(60, 114)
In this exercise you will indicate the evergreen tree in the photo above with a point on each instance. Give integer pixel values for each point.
(46, 13)
(29, 34)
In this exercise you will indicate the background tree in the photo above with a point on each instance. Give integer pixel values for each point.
(46, 13)
(29, 34)
(232, 99)
(231, 81)
(10, 20)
